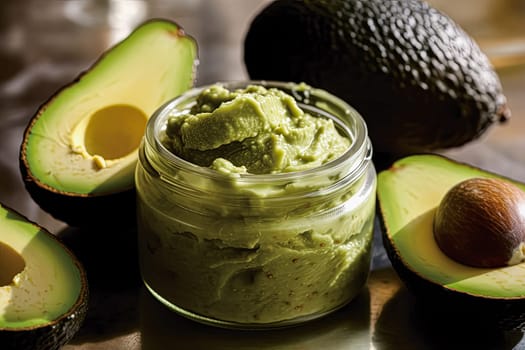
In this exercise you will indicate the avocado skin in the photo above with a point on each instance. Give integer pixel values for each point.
(421, 83)
(114, 210)
(53, 335)
(506, 314)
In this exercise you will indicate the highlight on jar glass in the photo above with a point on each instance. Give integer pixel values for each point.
(256, 204)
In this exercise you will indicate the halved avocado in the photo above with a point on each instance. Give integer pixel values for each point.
(409, 193)
(79, 151)
(43, 287)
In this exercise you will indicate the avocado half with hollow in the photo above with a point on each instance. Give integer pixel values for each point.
(79, 151)
(420, 81)
(409, 194)
(43, 287)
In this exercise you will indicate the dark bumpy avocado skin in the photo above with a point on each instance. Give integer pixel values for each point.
(418, 79)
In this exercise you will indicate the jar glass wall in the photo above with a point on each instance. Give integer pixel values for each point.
(256, 250)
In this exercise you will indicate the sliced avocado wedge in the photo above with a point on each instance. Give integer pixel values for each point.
(79, 151)
(409, 193)
(43, 287)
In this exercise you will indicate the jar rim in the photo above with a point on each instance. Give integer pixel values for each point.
(359, 151)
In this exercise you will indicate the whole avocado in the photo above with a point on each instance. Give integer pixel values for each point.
(421, 82)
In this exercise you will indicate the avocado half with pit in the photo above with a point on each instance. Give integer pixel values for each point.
(43, 287)
(79, 151)
(409, 193)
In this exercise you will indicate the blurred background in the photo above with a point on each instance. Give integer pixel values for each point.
(46, 44)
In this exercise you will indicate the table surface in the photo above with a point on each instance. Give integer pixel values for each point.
(42, 47)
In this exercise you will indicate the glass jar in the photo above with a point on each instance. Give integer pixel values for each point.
(256, 251)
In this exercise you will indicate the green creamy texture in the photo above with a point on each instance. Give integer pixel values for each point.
(253, 130)
(251, 252)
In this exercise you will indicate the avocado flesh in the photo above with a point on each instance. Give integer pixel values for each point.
(43, 287)
(83, 141)
(420, 82)
(408, 195)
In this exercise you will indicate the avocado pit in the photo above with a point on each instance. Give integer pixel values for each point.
(109, 134)
(480, 222)
(11, 264)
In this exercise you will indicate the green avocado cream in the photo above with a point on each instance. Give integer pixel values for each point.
(261, 212)
(253, 130)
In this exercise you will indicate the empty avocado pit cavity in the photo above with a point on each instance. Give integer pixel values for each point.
(11, 264)
(109, 134)
(481, 222)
